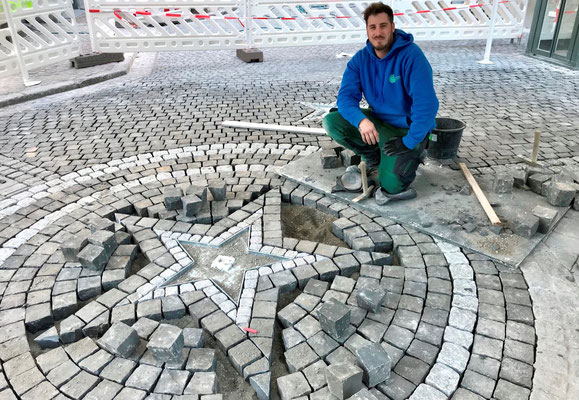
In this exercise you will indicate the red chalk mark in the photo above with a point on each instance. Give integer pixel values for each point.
(117, 14)
(94, 11)
(173, 15)
(143, 13)
(246, 329)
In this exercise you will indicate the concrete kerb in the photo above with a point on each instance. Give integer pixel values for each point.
(34, 93)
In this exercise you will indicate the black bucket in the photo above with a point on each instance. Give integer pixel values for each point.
(445, 139)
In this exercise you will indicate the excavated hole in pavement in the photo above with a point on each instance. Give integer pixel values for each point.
(305, 223)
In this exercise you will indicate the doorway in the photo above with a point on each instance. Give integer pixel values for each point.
(554, 31)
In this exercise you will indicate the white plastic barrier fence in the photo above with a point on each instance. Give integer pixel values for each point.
(36, 33)
(162, 25)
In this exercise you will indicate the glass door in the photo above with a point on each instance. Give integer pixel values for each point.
(557, 32)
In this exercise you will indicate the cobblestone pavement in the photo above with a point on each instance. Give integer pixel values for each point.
(110, 181)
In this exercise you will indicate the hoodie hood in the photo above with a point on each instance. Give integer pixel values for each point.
(401, 39)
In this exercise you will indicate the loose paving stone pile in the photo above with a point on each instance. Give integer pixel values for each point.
(440, 320)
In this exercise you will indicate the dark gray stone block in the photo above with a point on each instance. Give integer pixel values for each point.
(376, 364)
(525, 225)
(334, 318)
(172, 198)
(93, 257)
(344, 380)
(371, 298)
(120, 339)
(166, 343)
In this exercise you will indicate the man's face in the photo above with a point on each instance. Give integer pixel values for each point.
(380, 31)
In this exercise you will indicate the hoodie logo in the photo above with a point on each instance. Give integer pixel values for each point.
(393, 78)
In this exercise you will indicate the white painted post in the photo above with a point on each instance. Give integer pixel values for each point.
(15, 40)
(248, 23)
(89, 23)
(486, 59)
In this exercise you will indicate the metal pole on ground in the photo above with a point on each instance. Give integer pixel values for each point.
(487, 57)
(15, 43)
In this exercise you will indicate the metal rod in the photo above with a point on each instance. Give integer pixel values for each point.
(271, 127)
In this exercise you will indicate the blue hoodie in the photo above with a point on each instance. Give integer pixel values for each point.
(398, 87)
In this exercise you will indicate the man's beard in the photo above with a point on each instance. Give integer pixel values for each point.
(386, 46)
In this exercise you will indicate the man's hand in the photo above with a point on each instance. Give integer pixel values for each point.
(368, 132)
(395, 146)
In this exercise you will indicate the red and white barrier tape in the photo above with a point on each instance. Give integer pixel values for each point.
(180, 14)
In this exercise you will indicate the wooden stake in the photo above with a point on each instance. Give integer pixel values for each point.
(480, 195)
(536, 147)
(272, 127)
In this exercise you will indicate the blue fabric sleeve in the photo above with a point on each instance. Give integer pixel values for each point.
(420, 87)
(350, 94)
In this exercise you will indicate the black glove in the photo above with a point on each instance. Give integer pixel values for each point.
(395, 147)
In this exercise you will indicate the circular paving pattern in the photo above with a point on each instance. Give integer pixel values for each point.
(99, 250)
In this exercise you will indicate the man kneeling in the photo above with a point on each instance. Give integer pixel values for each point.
(396, 79)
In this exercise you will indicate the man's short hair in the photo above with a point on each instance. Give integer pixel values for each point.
(378, 8)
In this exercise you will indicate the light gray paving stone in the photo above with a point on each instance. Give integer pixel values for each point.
(105, 390)
(291, 338)
(292, 386)
(262, 385)
(202, 383)
(443, 378)
(49, 360)
(308, 326)
(372, 330)
(322, 344)
(258, 367)
(145, 327)
(517, 372)
(316, 287)
(316, 374)
(129, 393)
(303, 274)
(63, 373)
(144, 377)
(95, 363)
(216, 321)
(506, 390)
(80, 350)
(299, 357)
(118, 370)
(229, 337)
(364, 394)
(488, 347)
(454, 356)
(307, 301)
(201, 360)
(484, 365)
(427, 392)
(243, 354)
(479, 384)
(285, 281)
(80, 385)
(172, 382)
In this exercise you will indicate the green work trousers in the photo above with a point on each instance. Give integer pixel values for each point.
(395, 173)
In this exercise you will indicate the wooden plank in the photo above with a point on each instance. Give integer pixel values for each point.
(272, 127)
(482, 199)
